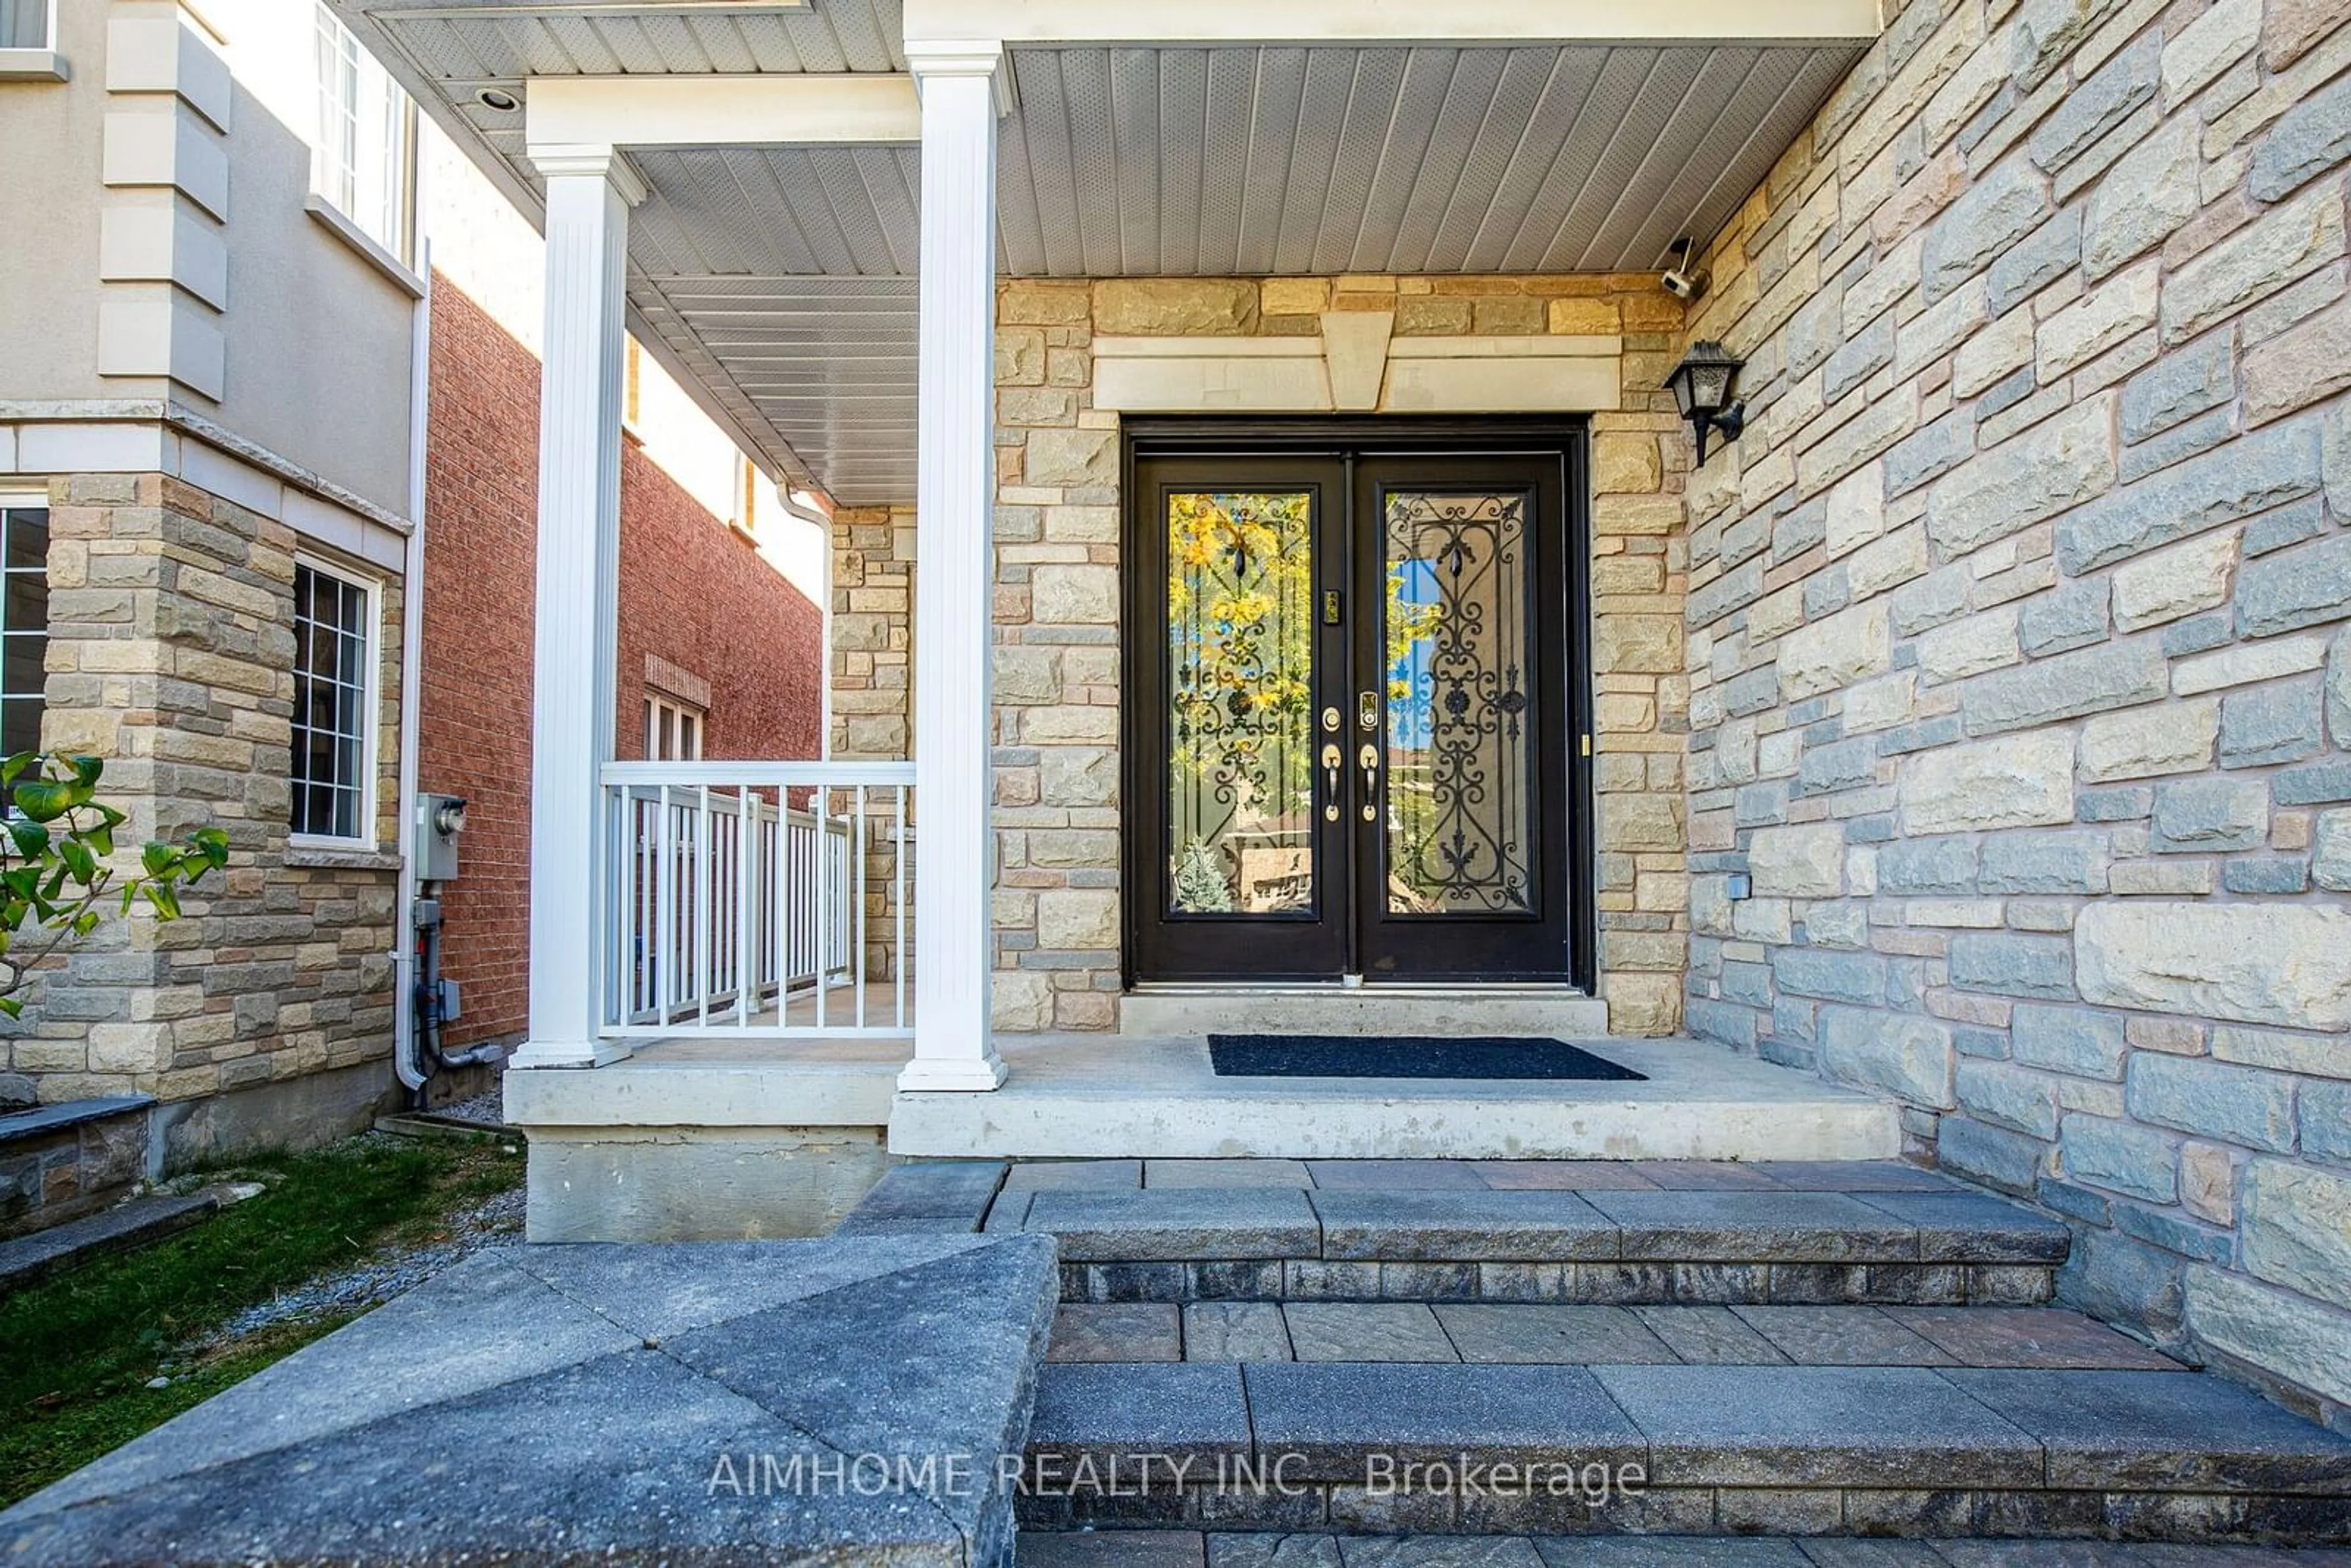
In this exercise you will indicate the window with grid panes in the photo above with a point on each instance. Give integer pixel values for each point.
(333, 657)
(24, 624)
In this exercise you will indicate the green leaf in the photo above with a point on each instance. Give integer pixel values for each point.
(44, 799)
(165, 900)
(12, 1007)
(31, 837)
(157, 857)
(79, 861)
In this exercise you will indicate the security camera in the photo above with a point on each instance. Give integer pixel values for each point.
(1681, 279)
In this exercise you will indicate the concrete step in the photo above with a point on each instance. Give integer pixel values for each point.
(1558, 1011)
(1910, 1236)
(1242, 1549)
(1558, 1449)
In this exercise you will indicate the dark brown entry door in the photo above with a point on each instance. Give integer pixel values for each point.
(1353, 730)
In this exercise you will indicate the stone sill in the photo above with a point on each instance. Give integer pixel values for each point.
(328, 856)
(401, 275)
(34, 65)
(45, 1119)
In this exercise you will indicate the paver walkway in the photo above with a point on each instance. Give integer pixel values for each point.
(1192, 1549)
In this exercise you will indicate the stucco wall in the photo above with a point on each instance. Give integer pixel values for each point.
(1057, 682)
(2019, 681)
(314, 342)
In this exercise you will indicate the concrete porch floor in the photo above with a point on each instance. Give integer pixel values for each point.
(1100, 1096)
(1078, 1096)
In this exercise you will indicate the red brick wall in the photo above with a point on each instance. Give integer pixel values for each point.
(693, 592)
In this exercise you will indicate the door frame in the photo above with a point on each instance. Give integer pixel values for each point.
(1566, 438)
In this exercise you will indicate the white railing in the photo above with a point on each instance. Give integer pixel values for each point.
(768, 899)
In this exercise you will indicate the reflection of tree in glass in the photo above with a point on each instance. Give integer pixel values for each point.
(1239, 623)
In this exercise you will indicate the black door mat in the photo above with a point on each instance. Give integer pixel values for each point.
(1406, 1056)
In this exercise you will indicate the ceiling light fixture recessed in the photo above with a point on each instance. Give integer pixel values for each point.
(497, 98)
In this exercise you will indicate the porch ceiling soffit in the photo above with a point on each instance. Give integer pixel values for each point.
(774, 277)
(1356, 367)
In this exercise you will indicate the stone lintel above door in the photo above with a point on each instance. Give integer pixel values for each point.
(1356, 367)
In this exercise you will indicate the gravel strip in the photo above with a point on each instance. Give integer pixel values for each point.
(496, 1223)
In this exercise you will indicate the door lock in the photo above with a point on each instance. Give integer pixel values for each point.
(1367, 710)
(1370, 759)
(1333, 760)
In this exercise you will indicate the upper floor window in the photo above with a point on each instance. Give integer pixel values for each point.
(28, 24)
(334, 677)
(24, 624)
(673, 730)
(364, 162)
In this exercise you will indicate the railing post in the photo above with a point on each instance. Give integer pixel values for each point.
(953, 500)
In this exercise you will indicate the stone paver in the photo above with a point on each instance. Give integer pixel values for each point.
(1119, 1331)
(1819, 1425)
(1541, 1333)
(1330, 1415)
(1745, 1227)
(1123, 1548)
(1419, 1224)
(1438, 1552)
(1170, 1548)
(1703, 1176)
(1561, 1175)
(1708, 1336)
(1366, 1331)
(1115, 1412)
(1342, 1176)
(1225, 1173)
(2028, 1336)
(2162, 1430)
(1178, 1223)
(1235, 1330)
(1039, 1175)
(607, 1380)
(1271, 1551)
(1991, 1229)
(1841, 1336)
(1854, 1176)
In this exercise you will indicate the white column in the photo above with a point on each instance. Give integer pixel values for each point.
(955, 500)
(589, 192)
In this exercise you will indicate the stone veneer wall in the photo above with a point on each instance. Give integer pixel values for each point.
(872, 692)
(263, 1017)
(2019, 681)
(1057, 674)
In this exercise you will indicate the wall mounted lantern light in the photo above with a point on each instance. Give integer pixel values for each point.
(1704, 384)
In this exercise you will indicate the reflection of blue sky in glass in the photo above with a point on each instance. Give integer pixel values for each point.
(1409, 717)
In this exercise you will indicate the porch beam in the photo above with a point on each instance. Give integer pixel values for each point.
(777, 111)
(589, 190)
(1177, 22)
(953, 501)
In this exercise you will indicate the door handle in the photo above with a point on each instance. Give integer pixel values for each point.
(1370, 759)
(1333, 760)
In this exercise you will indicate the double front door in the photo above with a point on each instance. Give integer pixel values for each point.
(1355, 722)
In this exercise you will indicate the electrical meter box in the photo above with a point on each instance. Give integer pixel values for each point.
(440, 821)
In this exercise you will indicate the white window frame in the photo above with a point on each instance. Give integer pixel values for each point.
(351, 91)
(370, 711)
(37, 60)
(28, 501)
(665, 713)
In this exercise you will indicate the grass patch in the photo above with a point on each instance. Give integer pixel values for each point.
(76, 1351)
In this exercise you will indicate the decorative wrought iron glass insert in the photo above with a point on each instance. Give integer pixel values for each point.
(24, 625)
(331, 695)
(1241, 628)
(1458, 662)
